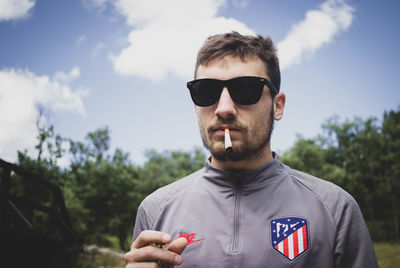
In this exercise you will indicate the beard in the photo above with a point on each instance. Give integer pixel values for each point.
(250, 145)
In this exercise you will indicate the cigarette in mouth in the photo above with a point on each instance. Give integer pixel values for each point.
(228, 142)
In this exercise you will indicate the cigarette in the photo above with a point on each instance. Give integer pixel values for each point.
(228, 142)
(162, 246)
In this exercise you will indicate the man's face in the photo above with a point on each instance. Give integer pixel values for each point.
(250, 126)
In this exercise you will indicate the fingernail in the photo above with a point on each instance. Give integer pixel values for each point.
(166, 237)
(178, 259)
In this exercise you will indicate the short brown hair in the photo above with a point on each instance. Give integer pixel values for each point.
(243, 46)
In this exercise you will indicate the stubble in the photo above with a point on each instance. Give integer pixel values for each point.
(250, 144)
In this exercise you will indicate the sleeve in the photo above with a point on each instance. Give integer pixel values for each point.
(353, 247)
(141, 222)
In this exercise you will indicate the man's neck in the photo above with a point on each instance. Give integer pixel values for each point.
(245, 164)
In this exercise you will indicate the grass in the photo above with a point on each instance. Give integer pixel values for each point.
(388, 255)
(101, 257)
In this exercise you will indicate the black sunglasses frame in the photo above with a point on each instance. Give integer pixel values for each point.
(234, 87)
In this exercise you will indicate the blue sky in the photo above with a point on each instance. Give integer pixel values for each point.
(124, 64)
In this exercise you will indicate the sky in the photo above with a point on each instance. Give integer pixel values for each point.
(124, 64)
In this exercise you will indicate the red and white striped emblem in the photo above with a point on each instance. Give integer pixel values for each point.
(290, 236)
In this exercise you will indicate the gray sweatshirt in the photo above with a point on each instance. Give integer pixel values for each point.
(270, 217)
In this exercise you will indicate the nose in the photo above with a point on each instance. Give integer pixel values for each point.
(226, 106)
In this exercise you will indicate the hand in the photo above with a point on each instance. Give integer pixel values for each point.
(144, 255)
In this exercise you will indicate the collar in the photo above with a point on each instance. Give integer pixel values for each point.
(245, 179)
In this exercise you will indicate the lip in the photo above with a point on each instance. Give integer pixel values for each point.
(221, 129)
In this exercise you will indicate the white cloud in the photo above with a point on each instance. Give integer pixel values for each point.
(96, 51)
(21, 92)
(98, 2)
(67, 78)
(80, 40)
(95, 4)
(164, 43)
(318, 28)
(241, 3)
(15, 9)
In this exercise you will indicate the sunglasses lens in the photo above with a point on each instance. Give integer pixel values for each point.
(205, 92)
(246, 90)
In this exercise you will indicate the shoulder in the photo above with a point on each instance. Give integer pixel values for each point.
(155, 202)
(164, 193)
(336, 200)
(324, 189)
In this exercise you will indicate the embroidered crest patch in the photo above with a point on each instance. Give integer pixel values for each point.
(290, 236)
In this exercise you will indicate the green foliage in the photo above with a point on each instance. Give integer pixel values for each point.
(48, 142)
(100, 257)
(102, 191)
(164, 168)
(310, 157)
(363, 157)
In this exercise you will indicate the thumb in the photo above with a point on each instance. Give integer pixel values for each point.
(178, 245)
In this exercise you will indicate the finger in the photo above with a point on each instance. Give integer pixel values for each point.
(150, 253)
(148, 236)
(142, 265)
(178, 245)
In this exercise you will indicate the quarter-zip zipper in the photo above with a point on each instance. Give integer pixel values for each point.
(236, 220)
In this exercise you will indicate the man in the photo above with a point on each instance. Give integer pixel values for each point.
(245, 208)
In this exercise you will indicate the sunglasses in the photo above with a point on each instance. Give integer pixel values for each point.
(245, 90)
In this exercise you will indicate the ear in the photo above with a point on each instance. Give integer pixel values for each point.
(196, 110)
(279, 106)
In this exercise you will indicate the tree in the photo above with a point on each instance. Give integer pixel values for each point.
(103, 190)
(110, 188)
(391, 165)
(164, 168)
(105, 186)
(48, 142)
(309, 156)
(363, 157)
